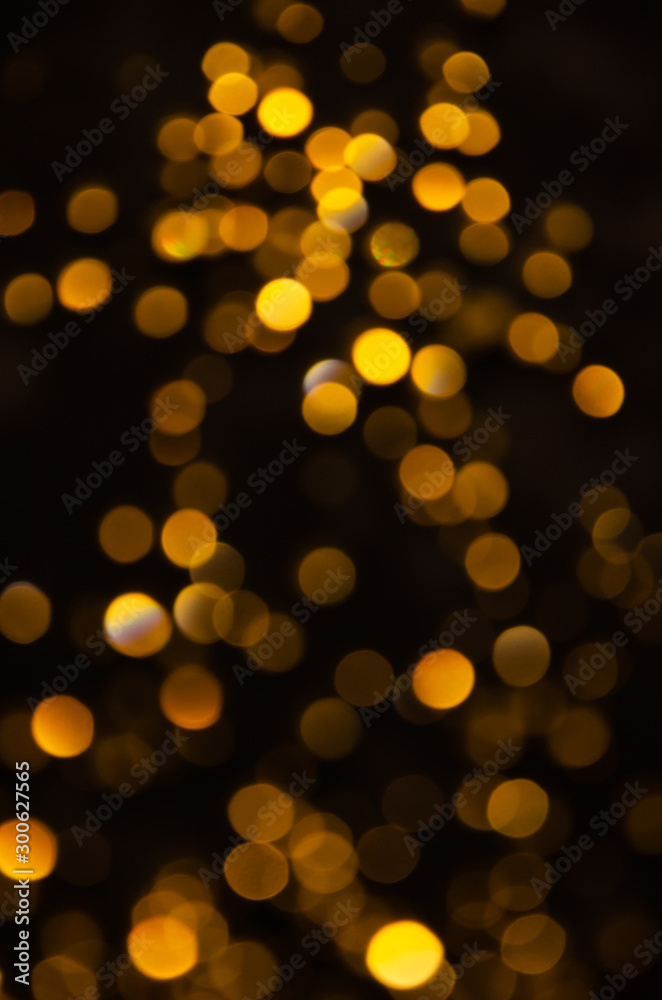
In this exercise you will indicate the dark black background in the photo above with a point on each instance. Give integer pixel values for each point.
(557, 87)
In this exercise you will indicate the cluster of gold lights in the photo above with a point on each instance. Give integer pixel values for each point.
(303, 860)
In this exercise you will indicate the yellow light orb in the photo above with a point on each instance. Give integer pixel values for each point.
(191, 697)
(285, 112)
(92, 209)
(329, 408)
(547, 274)
(136, 625)
(381, 356)
(443, 679)
(466, 72)
(444, 125)
(521, 655)
(492, 561)
(28, 299)
(62, 726)
(438, 187)
(438, 371)
(126, 534)
(43, 850)
(160, 311)
(84, 284)
(485, 200)
(371, 156)
(233, 93)
(162, 947)
(427, 472)
(25, 613)
(533, 337)
(598, 391)
(342, 210)
(517, 808)
(404, 954)
(283, 304)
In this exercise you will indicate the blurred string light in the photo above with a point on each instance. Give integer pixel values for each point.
(289, 853)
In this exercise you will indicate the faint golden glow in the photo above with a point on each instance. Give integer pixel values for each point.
(381, 356)
(521, 655)
(547, 274)
(200, 485)
(484, 243)
(394, 244)
(175, 139)
(643, 824)
(568, 227)
(62, 726)
(287, 172)
(184, 532)
(438, 371)
(579, 738)
(43, 849)
(261, 812)
(342, 210)
(360, 675)
(384, 856)
(256, 871)
(224, 57)
(480, 490)
(485, 200)
(329, 408)
(136, 625)
(191, 697)
(178, 236)
(444, 125)
(426, 472)
(533, 337)
(492, 561)
(220, 564)
(327, 575)
(84, 284)
(300, 23)
(186, 406)
(243, 227)
(365, 66)
(233, 93)
(28, 299)
(533, 944)
(325, 147)
(162, 947)
(218, 133)
(378, 122)
(241, 618)
(285, 112)
(484, 133)
(445, 418)
(126, 534)
(404, 954)
(92, 209)
(160, 311)
(16, 212)
(330, 728)
(390, 432)
(438, 187)
(466, 72)
(25, 613)
(324, 281)
(517, 808)
(283, 304)
(394, 294)
(598, 391)
(371, 156)
(443, 679)
(484, 8)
